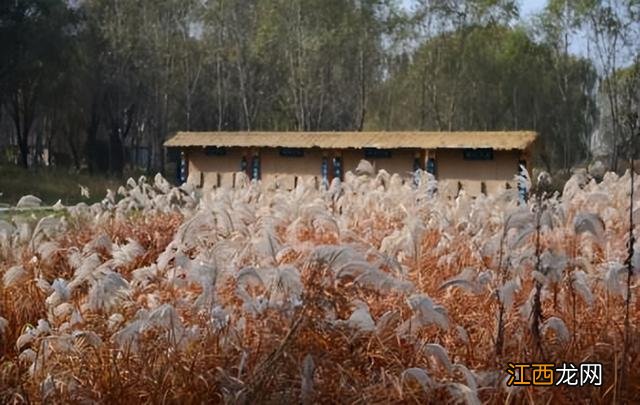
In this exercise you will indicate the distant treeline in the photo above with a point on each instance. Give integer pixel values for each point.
(105, 81)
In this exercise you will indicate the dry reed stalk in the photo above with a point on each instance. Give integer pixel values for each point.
(355, 366)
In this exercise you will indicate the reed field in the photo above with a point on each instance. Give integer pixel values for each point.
(371, 291)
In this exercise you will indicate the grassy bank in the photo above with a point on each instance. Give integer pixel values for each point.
(51, 185)
(28, 214)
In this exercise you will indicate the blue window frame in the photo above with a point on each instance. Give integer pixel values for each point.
(183, 168)
(255, 168)
(523, 193)
(478, 154)
(215, 151)
(376, 153)
(324, 171)
(416, 164)
(337, 167)
(291, 152)
(416, 167)
(431, 166)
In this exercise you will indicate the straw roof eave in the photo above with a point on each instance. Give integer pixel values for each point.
(500, 140)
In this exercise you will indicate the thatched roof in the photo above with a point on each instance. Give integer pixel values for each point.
(342, 140)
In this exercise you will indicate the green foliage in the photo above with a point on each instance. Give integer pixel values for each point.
(492, 78)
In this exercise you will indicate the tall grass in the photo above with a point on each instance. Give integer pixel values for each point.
(370, 291)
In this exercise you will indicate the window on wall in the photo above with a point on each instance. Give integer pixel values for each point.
(337, 167)
(477, 154)
(243, 165)
(522, 189)
(417, 164)
(431, 166)
(324, 171)
(255, 168)
(215, 151)
(522, 163)
(183, 168)
(416, 167)
(376, 153)
(292, 152)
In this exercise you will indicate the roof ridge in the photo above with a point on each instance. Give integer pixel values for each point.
(352, 139)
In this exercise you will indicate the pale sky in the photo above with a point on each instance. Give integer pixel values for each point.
(528, 7)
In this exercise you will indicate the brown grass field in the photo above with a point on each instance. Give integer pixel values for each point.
(372, 291)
